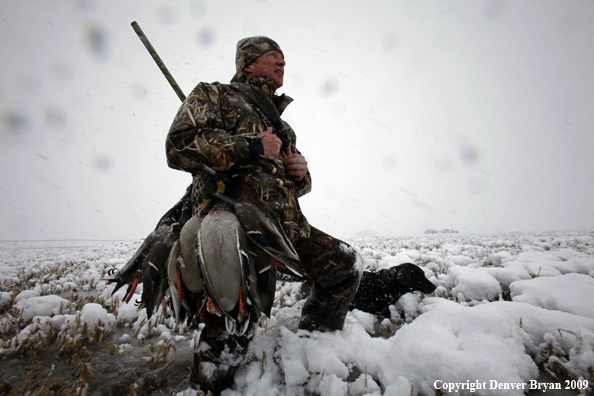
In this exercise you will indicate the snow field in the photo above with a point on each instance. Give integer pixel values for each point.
(508, 306)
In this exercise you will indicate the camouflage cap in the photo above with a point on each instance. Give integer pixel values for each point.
(250, 48)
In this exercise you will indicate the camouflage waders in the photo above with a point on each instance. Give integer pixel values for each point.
(335, 270)
(218, 356)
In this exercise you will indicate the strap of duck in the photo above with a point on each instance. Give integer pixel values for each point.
(257, 97)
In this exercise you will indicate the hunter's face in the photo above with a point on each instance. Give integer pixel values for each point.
(270, 65)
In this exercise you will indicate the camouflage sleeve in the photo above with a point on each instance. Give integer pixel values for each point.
(197, 136)
(303, 186)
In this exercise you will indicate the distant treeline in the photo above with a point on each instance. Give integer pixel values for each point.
(444, 231)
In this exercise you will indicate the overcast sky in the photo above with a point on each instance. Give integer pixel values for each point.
(464, 114)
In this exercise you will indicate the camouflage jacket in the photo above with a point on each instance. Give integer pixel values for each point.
(216, 126)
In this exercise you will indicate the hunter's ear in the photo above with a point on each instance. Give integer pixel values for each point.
(248, 69)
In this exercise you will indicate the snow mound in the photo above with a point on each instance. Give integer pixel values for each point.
(568, 293)
(45, 305)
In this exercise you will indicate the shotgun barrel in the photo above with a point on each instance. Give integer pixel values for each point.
(158, 60)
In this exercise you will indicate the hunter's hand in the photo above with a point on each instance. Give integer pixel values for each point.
(295, 165)
(271, 143)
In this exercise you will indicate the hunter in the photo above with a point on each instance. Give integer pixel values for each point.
(243, 158)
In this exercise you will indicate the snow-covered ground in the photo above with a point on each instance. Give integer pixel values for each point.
(512, 311)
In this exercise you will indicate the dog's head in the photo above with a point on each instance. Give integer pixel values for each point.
(411, 278)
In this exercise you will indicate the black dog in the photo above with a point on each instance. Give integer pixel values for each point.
(378, 290)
